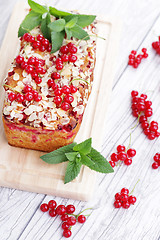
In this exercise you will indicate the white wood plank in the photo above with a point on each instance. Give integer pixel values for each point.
(142, 220)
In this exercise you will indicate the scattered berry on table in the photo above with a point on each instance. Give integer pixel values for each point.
(141, 108)
(156, 162)
(136, 60)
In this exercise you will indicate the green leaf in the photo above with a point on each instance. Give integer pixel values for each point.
(79, 33)
(57, 40)
(44, 26)
(68, 32)
(31, 21)
(83, 147)
(57, 26)
(57, 13)
(71, 23)
(72, 171)
(58, 156)
(71, 156)
(37, 7)
(83, 20)
(95, 161)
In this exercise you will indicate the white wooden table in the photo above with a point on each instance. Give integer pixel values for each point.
(20, 217)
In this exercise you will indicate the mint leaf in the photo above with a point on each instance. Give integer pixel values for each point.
(79, 33)
(44, 26)
(95, 161)
(57, 26)
(68, 32)
(71, 156)
(83, 147)
(72, 171)
(31, 21)
(57, 13)
(58, 156)
(57, 40)
(37, 7)
(72, 22)
(83, 20)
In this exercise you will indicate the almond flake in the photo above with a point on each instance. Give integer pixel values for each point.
(32, 117)
(16, 77)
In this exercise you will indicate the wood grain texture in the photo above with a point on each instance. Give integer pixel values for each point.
(142, 221)
(23, 169)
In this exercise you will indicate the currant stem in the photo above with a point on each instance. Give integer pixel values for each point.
(5, 85)
(136, 122)
(130, 137)
(134, 187)
(75, 79)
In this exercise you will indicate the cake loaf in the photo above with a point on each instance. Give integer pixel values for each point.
(46, 93)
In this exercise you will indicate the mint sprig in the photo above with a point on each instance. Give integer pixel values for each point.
(67, 23)
(78, 155)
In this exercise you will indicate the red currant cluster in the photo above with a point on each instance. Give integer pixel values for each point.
(63, 96)
(156, 45)
(29, 95)
(136, 60)
(63, 212)
(33, 66)
(68, 55)
(141, 108)
(40, 42)
(123, 199)
(156, 159)
(122, 155)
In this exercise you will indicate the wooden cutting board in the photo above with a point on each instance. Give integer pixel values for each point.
(23, 169)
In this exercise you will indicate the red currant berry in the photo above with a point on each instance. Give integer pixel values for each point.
(155, 165)
(134, 93)
(117, 204)
(57, 100)
(36, 45)
(35, 94)
(27, 88)
(32, 39)
(49, 48)
(61, 209)
(131, 152)
(59, 66)
(124, 197)
(52, 204)
(65, 106)
(132, 199)
(34, 75)
(54, 86)
(135, 65)
(70, 44)
(59, 60)
(145, 55)
(55, 75)
(29, 69)
(40, 37)
(64, 58)
(52, 213)
(40, 70)
(121, 148)
(72, 58)
(144, 50)
(71, 221)
(38, 98)
(29, 96)
(42, 48)
(125, 190)
(70, 209)
(151, 136)
(50, 82)
(31, 61)
(126, 205)
(81, 219)
(117, 196)
(148, 112)
(122, 156)
(131, 56)
(38, 80)
(73, 89)
(133, 52)
(144, 96)
(26, 37)
(19, 59)
(128, 161)
(19, 97)
(65, 89)
(146, 131)
(69, 98)
(24, 65)
(65, 225)
(142, 119)
(44, 207)
(157, 134)
(45, 42)
(156, 157)
(112, 164)
(67, 233)
(12, 96)
(72, 49)
(64, 49)
(58, 92)
(154, 128)
(131, 62)
(114, 157)
(64, 217)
